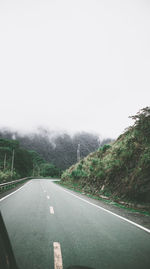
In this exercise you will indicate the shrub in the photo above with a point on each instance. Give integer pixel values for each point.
(94, 161)
(101, 175)
(126, 155)
(104, 148)
(49, 169)
(80, 166)
(78, 174)
(145, 159)
(6, 176)
(91, 168)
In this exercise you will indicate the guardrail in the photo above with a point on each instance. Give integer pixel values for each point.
(9, 185)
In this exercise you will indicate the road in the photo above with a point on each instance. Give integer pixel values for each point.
(49, 225)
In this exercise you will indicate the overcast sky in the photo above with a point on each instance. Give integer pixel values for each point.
(74, 65)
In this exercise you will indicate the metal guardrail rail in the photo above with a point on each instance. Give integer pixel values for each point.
(6, 185)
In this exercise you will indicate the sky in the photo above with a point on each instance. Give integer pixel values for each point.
(76, 65)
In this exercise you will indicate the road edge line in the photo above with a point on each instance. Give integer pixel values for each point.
(3, 198)
(108, 211)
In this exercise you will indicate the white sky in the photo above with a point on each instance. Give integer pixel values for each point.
(74, 65)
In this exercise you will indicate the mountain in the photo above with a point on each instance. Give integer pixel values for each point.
(120, 170)
(57, 148)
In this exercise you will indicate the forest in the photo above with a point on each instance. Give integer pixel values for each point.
(57, 148)
(17, 162)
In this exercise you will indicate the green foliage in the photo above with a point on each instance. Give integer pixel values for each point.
(6, 148)
(26, 163)
(50, 170)
(9, 144)
(126, 155)
(122, 168)
(142, 124)
(101, 175)
(23, 162)
(36, 158)
(91, 168)
(94, 162)
(104, 148)
(77, 174)
(6, 176)
(80, 166)
(145, 160)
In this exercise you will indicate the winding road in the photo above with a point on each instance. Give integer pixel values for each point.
(52, 227)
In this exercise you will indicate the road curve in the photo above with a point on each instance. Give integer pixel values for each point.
(48, 226)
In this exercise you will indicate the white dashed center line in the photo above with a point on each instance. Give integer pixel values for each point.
(47, 197)
(51, 210)
(57, 256)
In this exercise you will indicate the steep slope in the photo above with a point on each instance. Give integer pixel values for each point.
(120, 170)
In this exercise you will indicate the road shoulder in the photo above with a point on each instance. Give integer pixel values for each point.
(137, 217)
(5, 193)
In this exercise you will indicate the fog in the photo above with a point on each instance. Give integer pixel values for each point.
(73, 65)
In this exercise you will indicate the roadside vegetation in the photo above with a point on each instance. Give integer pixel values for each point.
(120, 170)
(16, 162)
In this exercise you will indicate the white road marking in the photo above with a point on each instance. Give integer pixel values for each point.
(137, 225)
(51, 210)
(47, 196)
(58, 264)
(14, 191)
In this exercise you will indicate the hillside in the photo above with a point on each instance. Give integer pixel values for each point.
(120, 170)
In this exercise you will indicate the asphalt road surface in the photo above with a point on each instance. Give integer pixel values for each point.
(50, 227)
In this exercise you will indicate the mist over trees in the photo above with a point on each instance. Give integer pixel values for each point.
(59, 149)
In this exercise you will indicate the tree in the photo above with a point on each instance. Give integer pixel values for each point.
(50, 170)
